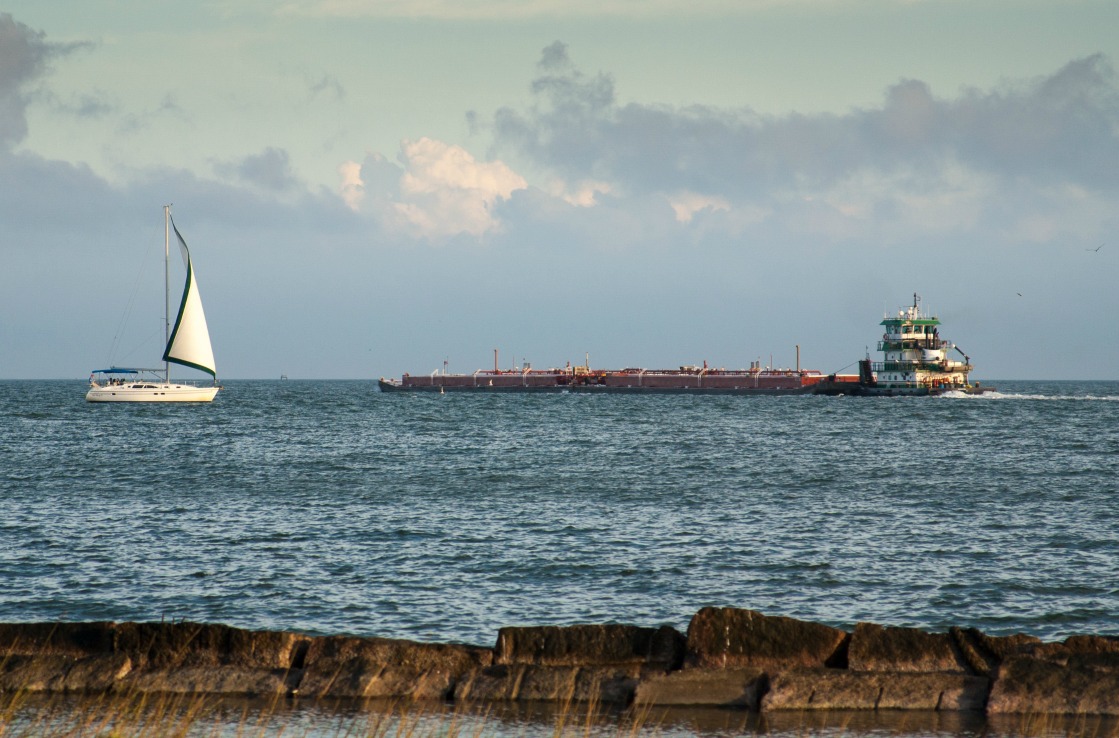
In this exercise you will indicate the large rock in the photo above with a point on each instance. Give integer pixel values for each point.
(944, 691)
(56, 673)
(97, 674)
(59, 657)
(340, 666)
(225, 679)
(56, 639)
(1078, 676)
(821, 689)
(1092, 644)
(590, 645)
(984, 653)
(202, 658)
(741, 688)
(172, 645)
(878, 648)
(835, 689)
(562, 684)
(729, 638)
(1081, 645)
(144, 657)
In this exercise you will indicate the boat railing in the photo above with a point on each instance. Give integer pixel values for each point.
(927, 366)
(913, 343)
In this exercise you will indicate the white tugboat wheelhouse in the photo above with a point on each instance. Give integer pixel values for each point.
(915, 358)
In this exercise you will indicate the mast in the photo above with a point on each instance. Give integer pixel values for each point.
(166, 288)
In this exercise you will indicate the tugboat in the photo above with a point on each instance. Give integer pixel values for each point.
(916, 361)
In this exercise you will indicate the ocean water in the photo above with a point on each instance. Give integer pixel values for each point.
(327, 507)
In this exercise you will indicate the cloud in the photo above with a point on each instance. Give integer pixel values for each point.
(1064, 126)
(584, 194)
(687, 204)
(440, 190)
(168, 107)
(917, 163)
(269, 170)
(505, 10)
(83, 106)
(328, 85)
(90, 105)
(1061, 127)
(352, 187)
(639, 175)
(24, 55)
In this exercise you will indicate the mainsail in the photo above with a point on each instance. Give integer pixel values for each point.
(189, 343)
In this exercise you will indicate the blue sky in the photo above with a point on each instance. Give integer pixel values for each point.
(371, 187)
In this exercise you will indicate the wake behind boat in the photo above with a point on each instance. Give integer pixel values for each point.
(187, 344)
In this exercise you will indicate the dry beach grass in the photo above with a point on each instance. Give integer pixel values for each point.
(25, 714)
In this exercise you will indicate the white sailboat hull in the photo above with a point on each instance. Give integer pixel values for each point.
(150, 392)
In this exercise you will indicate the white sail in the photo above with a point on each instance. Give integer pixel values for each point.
(189, 343)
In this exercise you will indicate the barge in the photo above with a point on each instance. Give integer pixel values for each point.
(916, 362)
(690, 379)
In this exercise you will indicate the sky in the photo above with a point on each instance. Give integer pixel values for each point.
(373, 187)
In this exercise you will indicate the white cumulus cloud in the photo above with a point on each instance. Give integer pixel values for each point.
(352, 188)
(687, 204)
(439, 190)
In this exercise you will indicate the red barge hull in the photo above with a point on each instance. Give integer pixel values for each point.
(684, 380)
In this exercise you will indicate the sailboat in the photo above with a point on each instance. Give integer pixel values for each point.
(187, 344)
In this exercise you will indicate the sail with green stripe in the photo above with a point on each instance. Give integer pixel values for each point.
(189, 344)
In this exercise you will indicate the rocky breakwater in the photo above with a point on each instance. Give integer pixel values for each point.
(731, 658)
(181, 657)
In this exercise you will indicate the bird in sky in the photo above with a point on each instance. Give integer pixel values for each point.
(1095, 250)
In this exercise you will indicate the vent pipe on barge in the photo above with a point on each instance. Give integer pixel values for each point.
(798, 358)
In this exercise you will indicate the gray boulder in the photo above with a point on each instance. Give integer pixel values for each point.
(730, 638)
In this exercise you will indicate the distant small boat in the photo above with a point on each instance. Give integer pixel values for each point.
(187, 344)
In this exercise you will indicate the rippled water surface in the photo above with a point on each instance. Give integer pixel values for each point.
(327, 507)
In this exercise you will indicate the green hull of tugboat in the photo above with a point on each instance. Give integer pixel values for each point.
(867, 386)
